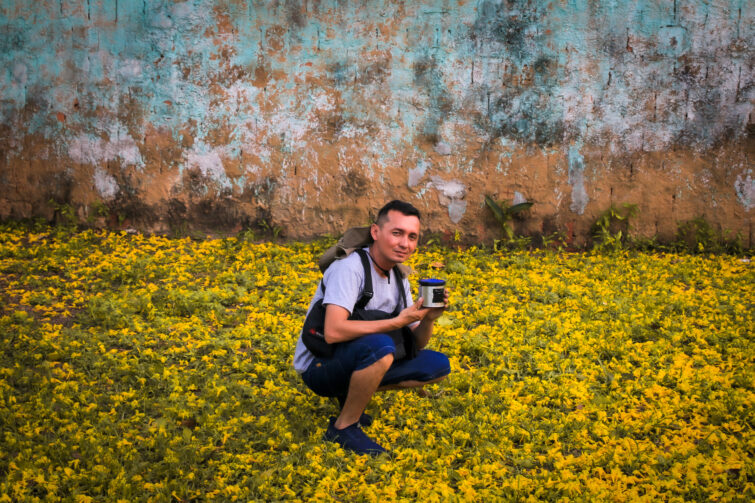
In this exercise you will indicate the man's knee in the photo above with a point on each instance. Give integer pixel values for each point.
(437, 366)
(373, 348)
(376, 342)
(384, 363)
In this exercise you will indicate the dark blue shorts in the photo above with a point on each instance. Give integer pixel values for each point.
(330, 376)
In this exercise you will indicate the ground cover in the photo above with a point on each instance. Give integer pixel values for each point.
(141, 368)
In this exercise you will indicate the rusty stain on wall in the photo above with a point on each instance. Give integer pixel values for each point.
(307, 115)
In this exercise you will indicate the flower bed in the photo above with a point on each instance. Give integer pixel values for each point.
(144, 368)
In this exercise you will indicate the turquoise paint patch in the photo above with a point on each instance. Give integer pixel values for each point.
(526, 72)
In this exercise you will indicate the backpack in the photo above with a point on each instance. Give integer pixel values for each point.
(312, 332)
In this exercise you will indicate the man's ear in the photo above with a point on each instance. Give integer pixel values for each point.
(373, 231)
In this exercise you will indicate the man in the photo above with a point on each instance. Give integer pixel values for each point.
(363, 360)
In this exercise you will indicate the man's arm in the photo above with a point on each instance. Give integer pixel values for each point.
(339, 328)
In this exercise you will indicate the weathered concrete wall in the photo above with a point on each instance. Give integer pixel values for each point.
(307, 114)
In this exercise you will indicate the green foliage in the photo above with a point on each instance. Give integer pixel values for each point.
(431, 239)
(270, 229)
(698, 236)
(556, 241)
(504, 214)
(515, 243)
(178, 230)
(611, 230)
(246, 236)
(65, 215)
(97, 210)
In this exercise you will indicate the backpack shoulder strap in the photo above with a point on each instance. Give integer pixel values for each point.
(400, 285)
(367, 292)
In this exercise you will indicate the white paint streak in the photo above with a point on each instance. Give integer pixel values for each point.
(88, 149)
(518, 198)
(442, 148)
(105, 184)
(209, 163)
(745, 189)
(131, 69)
(290, 127)
(20, 74)
(456, 210)
(416, 174)
(453, 189)
(451, 194)
(559, 196)
(579, 198)
(351, 131)
(323, 102)
(241, 95)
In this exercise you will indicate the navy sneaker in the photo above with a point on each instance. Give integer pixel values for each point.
(365, 420)
(352, 438)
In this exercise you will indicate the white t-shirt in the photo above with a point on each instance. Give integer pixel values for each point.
(344, 282)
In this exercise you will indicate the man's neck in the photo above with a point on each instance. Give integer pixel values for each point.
(381, 265)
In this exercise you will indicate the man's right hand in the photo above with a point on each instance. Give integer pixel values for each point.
(413, 313)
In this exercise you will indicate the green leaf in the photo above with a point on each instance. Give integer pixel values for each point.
(519, 207)
(498, 212)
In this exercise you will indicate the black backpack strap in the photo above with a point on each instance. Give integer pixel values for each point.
(401, 292)
(367, 292)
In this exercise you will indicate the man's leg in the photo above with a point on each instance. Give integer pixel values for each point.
(354, 372)
(426, 368)
(362, 386)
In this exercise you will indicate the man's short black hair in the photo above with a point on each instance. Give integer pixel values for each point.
(396, 205)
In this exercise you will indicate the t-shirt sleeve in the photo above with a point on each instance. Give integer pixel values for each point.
(343, 284)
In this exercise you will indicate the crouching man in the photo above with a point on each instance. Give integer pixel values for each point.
(366, 354)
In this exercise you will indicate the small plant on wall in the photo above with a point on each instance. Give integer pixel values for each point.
(505, 214)
(611, 230)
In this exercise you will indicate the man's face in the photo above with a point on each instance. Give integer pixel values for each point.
(396, 239)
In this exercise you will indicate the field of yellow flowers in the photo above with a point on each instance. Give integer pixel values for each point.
(139, 368)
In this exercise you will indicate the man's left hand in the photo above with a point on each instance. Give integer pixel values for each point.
(435, 312)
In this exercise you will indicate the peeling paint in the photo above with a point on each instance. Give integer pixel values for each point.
(635, 101)
(105, 184)
(579, 198)
(452, 189)
(209, 162)
(416, 174)
(451, 195)
(745, 189)
(88, 149)
(442, 148)
(456, 210)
